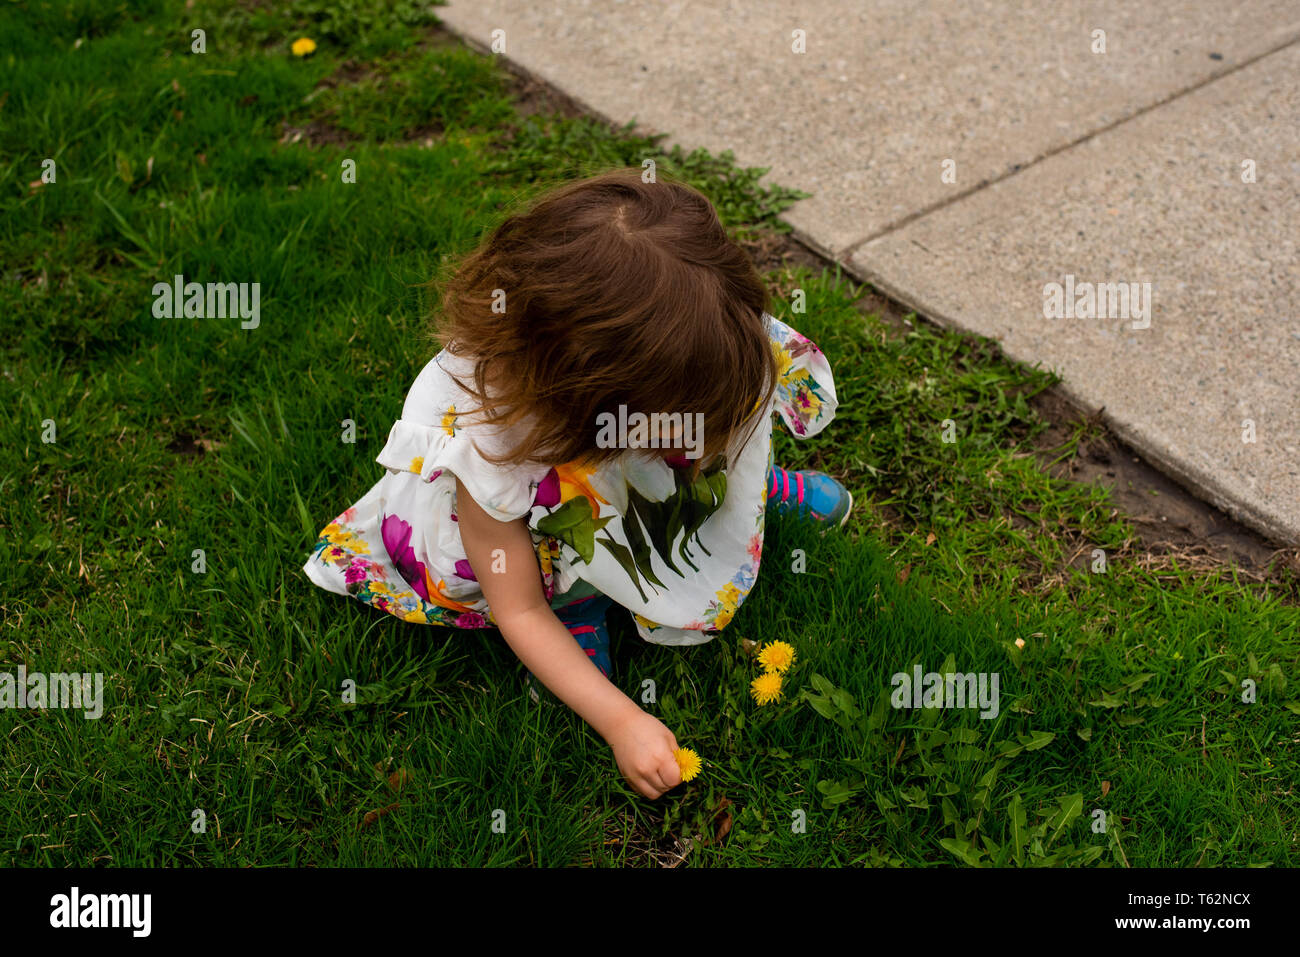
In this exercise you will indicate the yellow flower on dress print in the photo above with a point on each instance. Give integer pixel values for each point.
(644, 622)
(729, 597)
(449, 421)
(303, 45)
(689, 762)
(806, 399)
(766, 688)
(776, 656)
(783, 360)
(417, 464)
(348, 540)
(415, 615)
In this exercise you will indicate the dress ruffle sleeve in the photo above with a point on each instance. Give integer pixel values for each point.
(505, 493)
(805, 395)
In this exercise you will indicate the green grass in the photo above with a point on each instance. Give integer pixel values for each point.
(223, 689)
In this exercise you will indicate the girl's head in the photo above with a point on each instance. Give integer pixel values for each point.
(610, 292)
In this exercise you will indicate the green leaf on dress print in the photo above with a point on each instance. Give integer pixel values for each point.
(658, 524)
(624, 558)
(699, 502)
(657, 519)
(640, 549)
(673, 528)
(573, 524)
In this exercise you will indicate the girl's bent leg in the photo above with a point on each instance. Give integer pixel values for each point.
(585, 619)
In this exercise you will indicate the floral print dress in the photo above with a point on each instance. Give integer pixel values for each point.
(681, 554)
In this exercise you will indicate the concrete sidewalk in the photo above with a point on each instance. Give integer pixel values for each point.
(963, 157)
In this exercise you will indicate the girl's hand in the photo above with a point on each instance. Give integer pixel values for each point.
(643, 748)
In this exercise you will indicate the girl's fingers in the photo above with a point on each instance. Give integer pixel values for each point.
(672, 775)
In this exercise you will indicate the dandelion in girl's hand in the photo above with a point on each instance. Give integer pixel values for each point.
(303, 45)
(776, 656)
(689, 763)
(766, 687)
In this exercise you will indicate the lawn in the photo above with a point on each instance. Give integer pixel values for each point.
(165, 478)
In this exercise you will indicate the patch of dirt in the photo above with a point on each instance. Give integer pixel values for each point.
(314, 133)
(425, 134)
(347, 73)
(1169, 518)
(778, 252)
(532, 96)
(625, 834)
(192, 445)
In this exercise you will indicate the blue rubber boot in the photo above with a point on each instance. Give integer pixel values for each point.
(808, 494)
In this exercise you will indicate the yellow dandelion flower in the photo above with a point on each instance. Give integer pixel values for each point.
(689, 762)
(766, 688)
(776, 656)
(303, 45)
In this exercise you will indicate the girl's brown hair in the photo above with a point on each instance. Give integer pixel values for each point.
(610, 291)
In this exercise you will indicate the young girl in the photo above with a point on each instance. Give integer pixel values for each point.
(596, 430)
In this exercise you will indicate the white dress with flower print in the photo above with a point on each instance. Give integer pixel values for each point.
(681, 555)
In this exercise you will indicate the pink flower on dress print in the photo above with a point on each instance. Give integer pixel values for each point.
(471, 619)
(355, 572)
(465, 570)
(756, 548)
(548, 490)
(433, 475)
(346, 517)
(397, 539)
